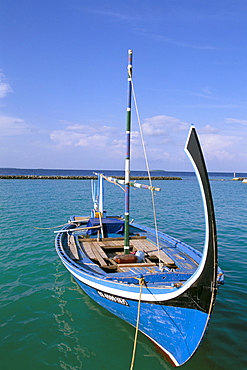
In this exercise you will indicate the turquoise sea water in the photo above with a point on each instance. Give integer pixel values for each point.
(47, 322)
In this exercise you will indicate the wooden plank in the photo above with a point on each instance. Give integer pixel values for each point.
(149, 245)
(118, 243)
(144, 264)
(79, 218)
(97, 246)
(119, 238)
(144, 245)
(115, 244)
(73, 248)
(106, 244)
(149, 248)
(87, 248)
(163, 257)
(99, 257)
(139, 245)
(93, 252)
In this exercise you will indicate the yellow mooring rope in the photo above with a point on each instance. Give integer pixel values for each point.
(141, 282)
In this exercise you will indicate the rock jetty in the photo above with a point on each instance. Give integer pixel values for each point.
(239, 178)
(35, 177)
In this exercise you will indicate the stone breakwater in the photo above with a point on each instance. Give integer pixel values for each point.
(34, 177)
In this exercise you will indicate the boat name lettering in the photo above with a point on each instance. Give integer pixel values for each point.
(113, 298)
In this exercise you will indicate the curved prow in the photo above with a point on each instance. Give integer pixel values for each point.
(205, 285)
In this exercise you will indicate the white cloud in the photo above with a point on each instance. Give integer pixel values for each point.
(219, 147)
(96, 141)
(234, 120)
(111, 141)
(96, 137)
(11, 126)
(208, 129)
(64, 138)
(163, 125)
(164, 138)
(4, 86)
(211, 141)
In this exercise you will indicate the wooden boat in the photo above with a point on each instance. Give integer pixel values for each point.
(160, 285)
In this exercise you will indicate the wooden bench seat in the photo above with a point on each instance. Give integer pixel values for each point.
(96, 250)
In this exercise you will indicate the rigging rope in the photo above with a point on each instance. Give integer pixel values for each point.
(141, 282)
(149, 175)
(49, 228)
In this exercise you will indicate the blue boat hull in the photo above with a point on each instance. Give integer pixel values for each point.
(165, 325)
(176, 300)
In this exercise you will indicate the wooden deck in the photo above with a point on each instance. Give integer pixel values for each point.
(102, 252)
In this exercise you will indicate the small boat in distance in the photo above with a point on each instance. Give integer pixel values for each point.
(163, 287)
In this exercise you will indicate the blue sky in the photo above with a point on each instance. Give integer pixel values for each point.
(63, 82)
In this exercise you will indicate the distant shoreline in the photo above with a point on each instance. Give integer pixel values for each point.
(36, 177)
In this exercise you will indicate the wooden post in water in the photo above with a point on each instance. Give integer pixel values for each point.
(127, 160)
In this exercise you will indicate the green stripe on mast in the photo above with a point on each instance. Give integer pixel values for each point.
(127, 160)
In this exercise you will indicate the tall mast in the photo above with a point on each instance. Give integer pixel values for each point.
(127, 160)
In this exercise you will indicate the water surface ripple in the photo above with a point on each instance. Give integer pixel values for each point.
(48, 322)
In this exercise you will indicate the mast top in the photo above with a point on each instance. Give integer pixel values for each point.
(130, 52)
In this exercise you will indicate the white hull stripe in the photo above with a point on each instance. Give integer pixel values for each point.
(150, 297)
